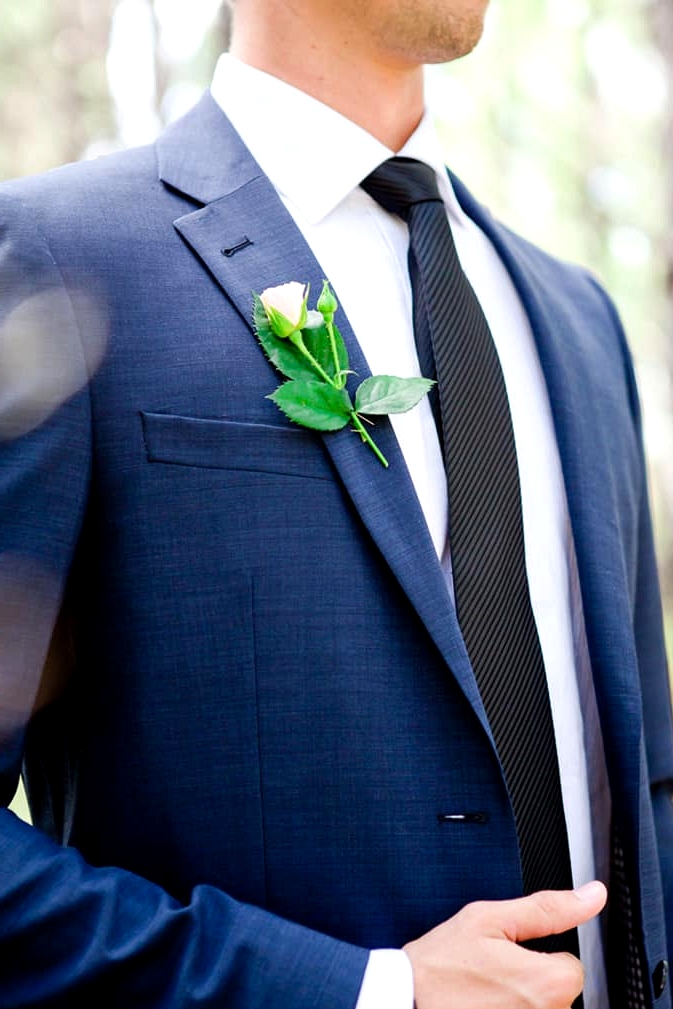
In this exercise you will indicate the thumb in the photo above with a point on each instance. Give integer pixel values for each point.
(550, 912)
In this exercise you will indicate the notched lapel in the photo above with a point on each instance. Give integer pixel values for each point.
(248, 241)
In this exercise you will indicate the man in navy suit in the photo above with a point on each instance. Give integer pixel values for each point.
(259, 763)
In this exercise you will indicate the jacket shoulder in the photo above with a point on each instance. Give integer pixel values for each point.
(88, 211)
(82, 179)
(568, 279)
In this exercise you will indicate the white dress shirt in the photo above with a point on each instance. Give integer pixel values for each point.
(316, 158)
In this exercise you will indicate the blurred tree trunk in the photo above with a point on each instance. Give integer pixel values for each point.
(81, 36)
(200, 67)
(223, 26)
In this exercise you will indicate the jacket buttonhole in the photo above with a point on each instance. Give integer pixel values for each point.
(475, 817)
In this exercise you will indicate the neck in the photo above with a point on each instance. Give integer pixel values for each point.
(333, 63)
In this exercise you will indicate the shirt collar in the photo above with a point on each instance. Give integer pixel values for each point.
(312, 154)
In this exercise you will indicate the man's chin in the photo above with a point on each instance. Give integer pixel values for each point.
(451, 55)
(447, 43)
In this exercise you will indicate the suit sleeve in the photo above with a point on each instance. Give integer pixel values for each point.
(650, 645)
(71, 934)
(652, 661)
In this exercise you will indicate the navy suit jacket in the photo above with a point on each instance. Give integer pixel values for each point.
(239, 791)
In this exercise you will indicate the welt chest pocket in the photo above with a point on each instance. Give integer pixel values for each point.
(234, 445)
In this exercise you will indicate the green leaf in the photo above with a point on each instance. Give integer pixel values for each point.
(317, 341)
(282, 354)
(383, 394)
(314, 404)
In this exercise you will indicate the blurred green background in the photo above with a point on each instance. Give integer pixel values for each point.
(561, 122)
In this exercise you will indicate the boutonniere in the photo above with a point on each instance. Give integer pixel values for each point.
(307, 347)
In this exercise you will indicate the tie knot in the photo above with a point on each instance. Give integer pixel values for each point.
(400, 183)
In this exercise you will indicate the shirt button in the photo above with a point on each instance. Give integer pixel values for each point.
(660, 977)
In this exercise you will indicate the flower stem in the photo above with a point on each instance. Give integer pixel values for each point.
(364, 434)
(298, 340)
(340, 378)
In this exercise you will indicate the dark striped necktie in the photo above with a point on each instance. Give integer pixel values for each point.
(485, 523)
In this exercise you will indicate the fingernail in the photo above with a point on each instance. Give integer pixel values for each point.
(590, 892)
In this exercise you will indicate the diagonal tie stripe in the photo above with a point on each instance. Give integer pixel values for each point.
(485, 523)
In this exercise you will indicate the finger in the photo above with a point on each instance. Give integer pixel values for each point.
(551, 912)
(568, 977)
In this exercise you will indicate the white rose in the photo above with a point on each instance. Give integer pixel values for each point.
(285, 307)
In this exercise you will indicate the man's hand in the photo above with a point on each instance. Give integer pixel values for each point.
(473, 960)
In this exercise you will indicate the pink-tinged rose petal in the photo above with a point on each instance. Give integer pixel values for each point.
(287, 299)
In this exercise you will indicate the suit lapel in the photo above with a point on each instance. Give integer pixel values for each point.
(559, 332)
(203, 157)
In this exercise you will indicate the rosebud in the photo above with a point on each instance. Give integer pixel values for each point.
(327, 303)
(285, 307)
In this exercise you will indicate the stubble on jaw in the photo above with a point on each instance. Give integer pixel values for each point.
(404, 32)
(422, 31)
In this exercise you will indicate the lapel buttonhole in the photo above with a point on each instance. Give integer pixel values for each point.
(242, 243)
